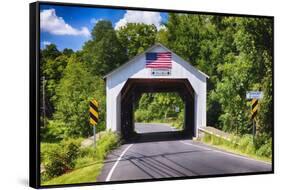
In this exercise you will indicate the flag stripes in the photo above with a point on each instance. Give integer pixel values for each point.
(159, 60)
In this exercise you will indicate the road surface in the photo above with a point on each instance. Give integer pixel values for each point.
(153, 127)
(173, 158)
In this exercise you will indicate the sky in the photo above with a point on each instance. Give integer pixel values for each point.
(71, 26)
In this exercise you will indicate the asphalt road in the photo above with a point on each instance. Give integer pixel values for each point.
(176, 158)
(152, 128)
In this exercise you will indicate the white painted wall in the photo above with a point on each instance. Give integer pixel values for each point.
(135, 69)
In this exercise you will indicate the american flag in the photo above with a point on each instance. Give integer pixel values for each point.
(159, 60)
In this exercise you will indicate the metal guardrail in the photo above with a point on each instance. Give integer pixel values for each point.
(215, 132)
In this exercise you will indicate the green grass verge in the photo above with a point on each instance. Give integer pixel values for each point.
(243, 146)
(82, 175)
(89, 163)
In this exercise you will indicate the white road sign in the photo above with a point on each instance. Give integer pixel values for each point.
(254, 95)
(161, 72)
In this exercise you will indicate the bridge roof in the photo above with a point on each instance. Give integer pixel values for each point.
(131, 61)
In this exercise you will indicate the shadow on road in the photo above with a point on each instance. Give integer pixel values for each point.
(159, 165)
(157, 136)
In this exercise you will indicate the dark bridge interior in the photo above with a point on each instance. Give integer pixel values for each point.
(131, 93)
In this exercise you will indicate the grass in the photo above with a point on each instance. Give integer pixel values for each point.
(89, 163)
(82, 175)
(243, 146)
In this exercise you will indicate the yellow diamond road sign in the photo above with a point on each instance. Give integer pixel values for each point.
(94, 114)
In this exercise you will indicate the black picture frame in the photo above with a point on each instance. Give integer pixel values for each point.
(34, 91)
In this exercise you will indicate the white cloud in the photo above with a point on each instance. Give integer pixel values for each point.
(50, 22)
(46, 43)
(144, 17)
(95, 21)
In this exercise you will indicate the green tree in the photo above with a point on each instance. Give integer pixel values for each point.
(197, 39)
(236, 53)
(184, 35)
(246, 66)
(104, 52)
(52, 73)
(158, 106)
(162, 36)
(137, 37)
(47, 56)
(68, 52)
(76, 88)
(230, 93)
(255, 39)
(50, 52)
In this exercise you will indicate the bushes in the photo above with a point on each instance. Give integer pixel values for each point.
(67, 155)
(54, 131)
(245, 144)
(264, 144)
(265, 150)
(86, 156)
(107, 142)
(143, 116)
(178, 123)
(258, 148)
(59, 158)
(159, 107)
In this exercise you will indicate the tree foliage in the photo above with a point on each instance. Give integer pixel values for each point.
(53, 64)
(104, 52)
(74, 92)
(137, 37)
(158, 106)
(236, 53)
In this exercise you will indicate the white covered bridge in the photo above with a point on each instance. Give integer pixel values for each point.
(125, 85)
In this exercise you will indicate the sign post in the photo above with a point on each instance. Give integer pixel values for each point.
(254, 96)
(94, 116)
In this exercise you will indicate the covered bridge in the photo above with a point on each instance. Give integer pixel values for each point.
(157, 69)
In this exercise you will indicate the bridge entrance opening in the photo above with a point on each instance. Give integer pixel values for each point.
(158, 112)
(137, 90)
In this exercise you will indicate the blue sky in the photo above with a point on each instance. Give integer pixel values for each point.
(70, 27)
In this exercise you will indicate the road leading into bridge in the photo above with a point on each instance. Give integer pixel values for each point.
(173, 158)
